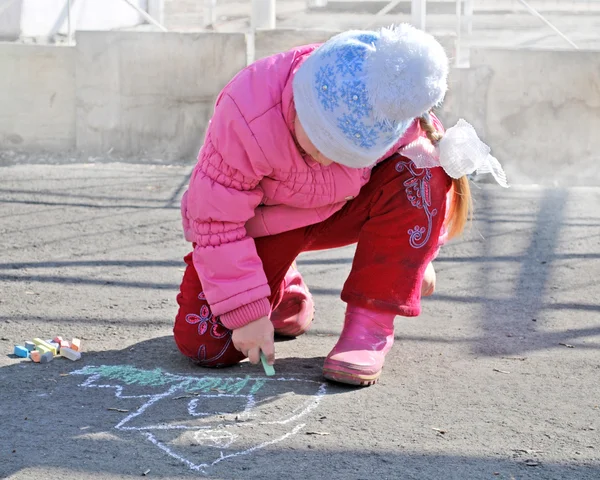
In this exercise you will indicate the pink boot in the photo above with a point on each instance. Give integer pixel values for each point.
(358, 356)
(295, 313)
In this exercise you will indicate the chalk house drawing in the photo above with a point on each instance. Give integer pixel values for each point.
(204, 420)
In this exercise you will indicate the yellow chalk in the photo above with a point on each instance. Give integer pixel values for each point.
(42, 349)
(40, 343)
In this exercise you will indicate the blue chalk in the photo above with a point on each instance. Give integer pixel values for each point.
(21, 352)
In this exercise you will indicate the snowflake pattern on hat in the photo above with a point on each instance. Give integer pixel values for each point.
(354, 95)
(362, 134)
(357, 93)
(337, 81)
(327, 88)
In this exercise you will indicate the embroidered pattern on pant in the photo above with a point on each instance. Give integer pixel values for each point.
(208, 323)
(418, 192)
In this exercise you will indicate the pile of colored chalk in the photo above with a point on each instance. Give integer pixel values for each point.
(40, 351)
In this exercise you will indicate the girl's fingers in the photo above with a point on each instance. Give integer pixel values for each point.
(254, 355)
(269, 350)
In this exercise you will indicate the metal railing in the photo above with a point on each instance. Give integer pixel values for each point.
(66, 15)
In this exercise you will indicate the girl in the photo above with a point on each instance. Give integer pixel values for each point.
(317, 148)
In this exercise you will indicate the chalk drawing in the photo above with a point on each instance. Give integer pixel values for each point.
(226, 416)
(215, 438)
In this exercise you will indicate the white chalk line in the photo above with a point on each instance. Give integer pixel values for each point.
(296, 429)
(154, 398)
(203, 466)
(221, 437)
(313, 403)
(143, 408)
(193, 403)
(83, 371)
(250, 404)
(168, 451)
(118, 388)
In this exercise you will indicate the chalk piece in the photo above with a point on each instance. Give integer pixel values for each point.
(21, 352)
(30, 346)
(57, 339)
(42, 349)
(35, 356)
(40, 342)
(70, 354)
(65, 344)
(55, 345)
(76, 344)
(269, 370)
(46, 357)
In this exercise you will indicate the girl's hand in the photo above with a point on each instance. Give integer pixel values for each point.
(254, 337)
(428, 285)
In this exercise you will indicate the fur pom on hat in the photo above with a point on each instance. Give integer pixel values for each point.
(358, 93)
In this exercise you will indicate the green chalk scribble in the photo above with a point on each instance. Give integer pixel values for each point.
(130, 375)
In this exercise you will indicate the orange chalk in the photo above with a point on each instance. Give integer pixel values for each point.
(35, 356)
(76, 345)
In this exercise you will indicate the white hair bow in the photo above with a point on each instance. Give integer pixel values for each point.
(460, 152)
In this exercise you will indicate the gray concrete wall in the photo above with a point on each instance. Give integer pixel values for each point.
(142, 93)
(270, 42)
(183, 15)
(37, 97)
(151, 93)
(538, 110)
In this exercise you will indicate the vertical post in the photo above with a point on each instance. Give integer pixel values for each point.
(458, 33)
(156, 9)
(263, 14)
(209, 14)
(419, 13)
(469, 16)
(69, 25)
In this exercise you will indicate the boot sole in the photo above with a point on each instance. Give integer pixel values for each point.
(351, 378)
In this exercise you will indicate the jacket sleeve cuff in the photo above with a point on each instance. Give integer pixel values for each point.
(246, 314)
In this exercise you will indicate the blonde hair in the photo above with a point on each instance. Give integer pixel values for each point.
(461, 205)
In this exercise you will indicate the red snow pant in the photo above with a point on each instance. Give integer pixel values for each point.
(397, 220)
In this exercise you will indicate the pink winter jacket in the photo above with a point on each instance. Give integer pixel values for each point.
(251, 181)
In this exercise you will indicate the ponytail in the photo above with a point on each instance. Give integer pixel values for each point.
(461, 205)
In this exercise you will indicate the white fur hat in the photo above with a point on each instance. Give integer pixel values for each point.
(358, 93)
